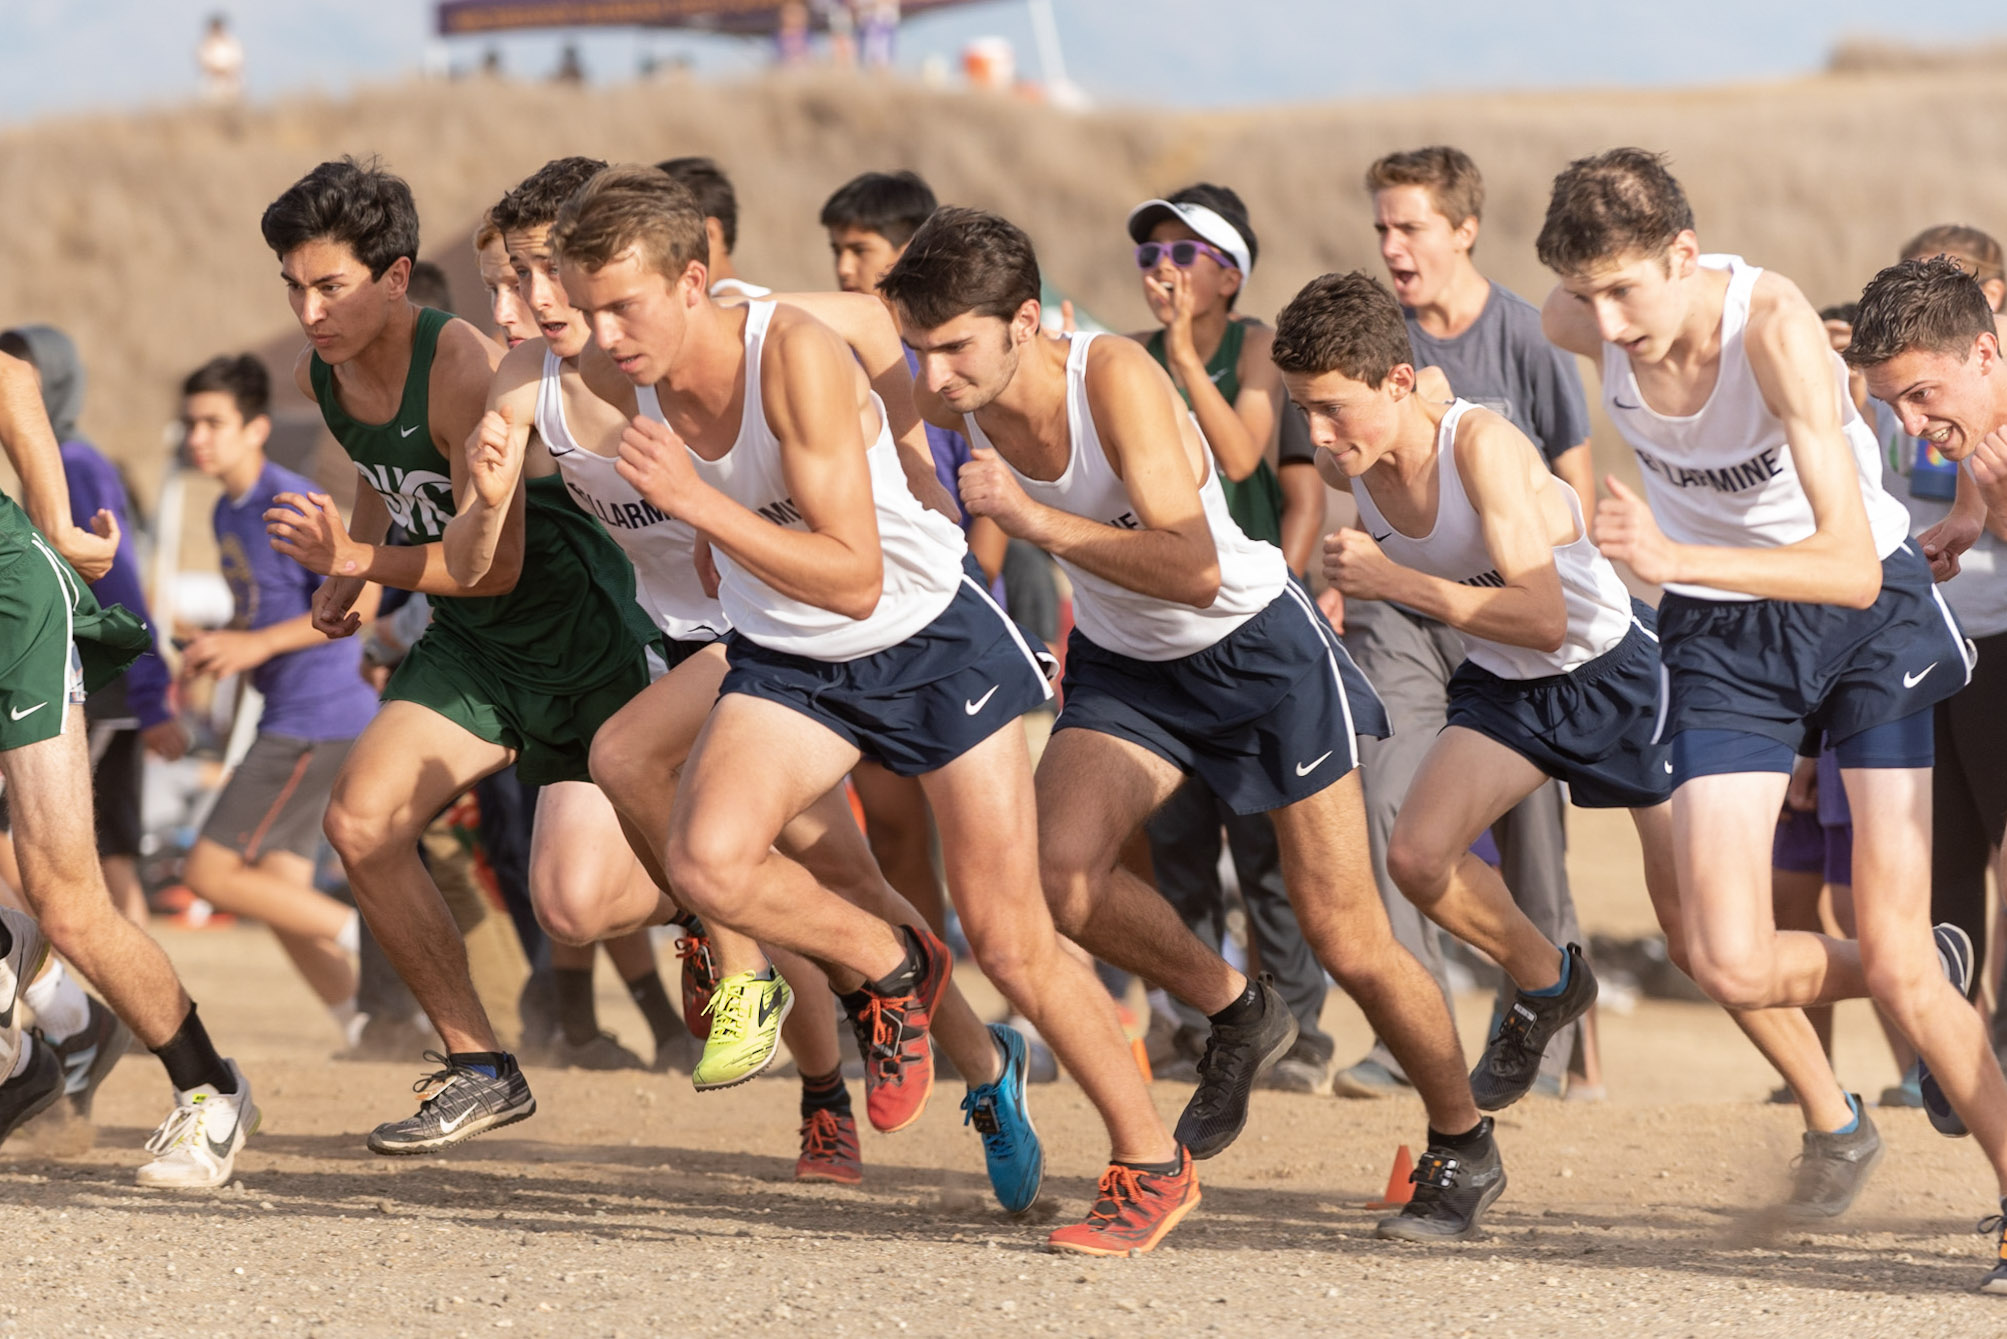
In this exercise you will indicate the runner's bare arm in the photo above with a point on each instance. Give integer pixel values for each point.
(1302, 513)
(31, 447)
(1141, 421)
(489, 471)
(866, 326)
(1792, 360)
(1240, 433)
(812, 393)
(1503, 476)
(1569, 324)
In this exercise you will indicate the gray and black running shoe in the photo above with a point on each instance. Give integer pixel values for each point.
(33, 1090)
(1453, 1188)
(1236, 1057)
(1511, 1062)
(1954, 955)
(88, 1056)
(1833, 1168)
(467, 1103)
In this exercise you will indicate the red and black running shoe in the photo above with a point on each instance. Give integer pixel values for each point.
(892, 1033)
(829, 1149)
(1132, 1211)
(700, 977)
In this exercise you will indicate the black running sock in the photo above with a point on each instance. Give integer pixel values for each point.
(653, 1001)
(491, 1063)
(1243, 1010)
(825, 1092)
(901, 979)
(191, 1059)
(1477, 1136)
(855, 1003)
(1171, 1168)
(572, 988)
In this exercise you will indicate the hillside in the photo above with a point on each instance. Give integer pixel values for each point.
(139, 233)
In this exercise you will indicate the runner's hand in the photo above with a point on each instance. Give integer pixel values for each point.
(1989, 469)
(655, 461)
(495, 457)
(1626, 533)
(1356, 566)
(309, 529)
(224, 652)
(90, 551)
(1944, 542)
(1332, 602)
(988, 488)
(1803, 792)
(332, 605)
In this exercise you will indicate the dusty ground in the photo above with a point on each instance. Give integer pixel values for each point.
(630, 1205)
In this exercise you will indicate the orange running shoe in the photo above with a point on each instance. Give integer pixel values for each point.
(1133, 1210)
(829, 1149)
(892, 1035)
(700, 978)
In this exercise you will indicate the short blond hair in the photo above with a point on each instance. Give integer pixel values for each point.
(631, 207)
(1455, 186)
(1976, 249)
(485, 234)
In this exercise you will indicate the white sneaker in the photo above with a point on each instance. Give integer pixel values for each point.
(197, 1144)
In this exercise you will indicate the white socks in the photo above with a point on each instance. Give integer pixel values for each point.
(62, 1010)
(350, 938)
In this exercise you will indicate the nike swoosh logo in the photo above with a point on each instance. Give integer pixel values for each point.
(223, 1150)
(1306, 768)
(1215, 377)
(448, 1126)
(973, 707)
(77, 1065)
(15, 713)
(769, 1006)
(406, 432)
(1381, 539)
(1912, 680)
(1621, 405)
(1668, 769)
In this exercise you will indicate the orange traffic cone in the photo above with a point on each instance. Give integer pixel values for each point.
(1399, 1188)
(1142, 1054)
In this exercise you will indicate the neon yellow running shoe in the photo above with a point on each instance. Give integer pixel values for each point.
(746, 1014)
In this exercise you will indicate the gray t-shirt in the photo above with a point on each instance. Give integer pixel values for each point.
(1505, 363)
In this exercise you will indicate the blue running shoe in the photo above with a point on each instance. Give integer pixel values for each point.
(1954, 955)
(1010, 1143)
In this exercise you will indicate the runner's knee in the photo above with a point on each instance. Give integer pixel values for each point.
(1743, 979)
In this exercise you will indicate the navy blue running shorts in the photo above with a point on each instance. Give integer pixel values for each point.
(1595, 728)
(917, 706)
(1268, 715)
(1800, 674)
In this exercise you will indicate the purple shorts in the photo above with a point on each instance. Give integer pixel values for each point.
(1805, 846)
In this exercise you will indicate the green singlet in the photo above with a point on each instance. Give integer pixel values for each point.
(1256, 501)
(540, 668)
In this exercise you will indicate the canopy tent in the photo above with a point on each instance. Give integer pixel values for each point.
(458, 18)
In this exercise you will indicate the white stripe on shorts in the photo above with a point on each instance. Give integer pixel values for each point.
(1016, 634)
(1326, 636)
(71, 673)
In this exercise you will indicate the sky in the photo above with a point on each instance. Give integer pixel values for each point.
(62, 56)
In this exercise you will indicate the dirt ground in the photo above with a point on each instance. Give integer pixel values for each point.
(630, 1205)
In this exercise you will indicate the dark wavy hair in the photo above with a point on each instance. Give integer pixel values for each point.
(354, 202)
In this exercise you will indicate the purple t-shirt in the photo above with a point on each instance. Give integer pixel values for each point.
(316, 693)
(94, 484)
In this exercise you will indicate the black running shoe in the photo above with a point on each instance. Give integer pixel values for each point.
(468, 1103)
(1833, 1168)
(1996, 1227)
(32, 1091)
(1453, 1188)
(1954, 955)
(1236, 1057)
(1511, 1062)
(89, 1055)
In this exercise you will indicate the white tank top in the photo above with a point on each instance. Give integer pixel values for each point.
(922, 549)
(662, 548)
(1113, 617)
(1724, 476)
(1599, 606)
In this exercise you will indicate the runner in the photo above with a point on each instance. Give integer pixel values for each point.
(1461, 521)
(1795, 611)
(1194, 653)
(57, 644)
(1428, 208)
(640, 748)
(854, 628)
(1195, 250)
(255, 856)
(520, 667)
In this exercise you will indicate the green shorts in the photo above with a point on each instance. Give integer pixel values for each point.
(55, 640)
(550, 733)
